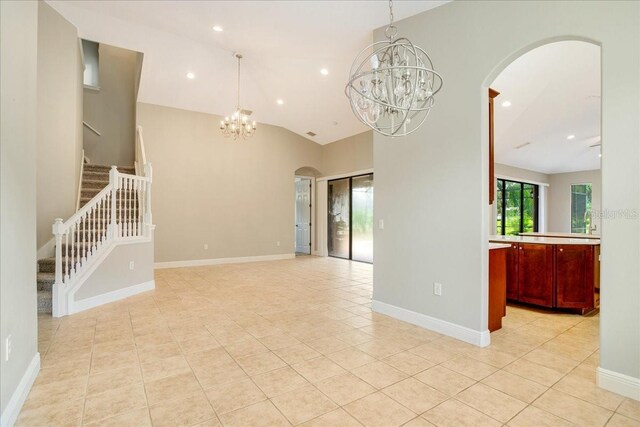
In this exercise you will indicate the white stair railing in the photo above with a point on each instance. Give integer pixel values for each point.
(121, 212)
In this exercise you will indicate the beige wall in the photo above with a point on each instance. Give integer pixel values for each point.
(560, 198)
(116, 265)
(59, 121)
(351, 154)
(520, 174)
(18, 113)
(235, 196)
(111, 110)
(438, 174)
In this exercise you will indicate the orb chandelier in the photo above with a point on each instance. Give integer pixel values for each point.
(392, 84)
(238, 125)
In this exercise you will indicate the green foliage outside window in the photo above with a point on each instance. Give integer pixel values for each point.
(517, 207)
(580, 208)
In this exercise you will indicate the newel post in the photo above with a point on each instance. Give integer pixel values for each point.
(114, 182)
(148, 220)
(57, 285)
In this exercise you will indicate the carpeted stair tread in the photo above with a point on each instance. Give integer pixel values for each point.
(44, 301)
(45, 281)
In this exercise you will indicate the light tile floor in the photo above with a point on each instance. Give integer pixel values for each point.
(295, 342)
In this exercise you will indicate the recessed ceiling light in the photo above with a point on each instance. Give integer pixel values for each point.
(324, 71)
(506, 104)
(279, 101)
(599, 154)
(217, 28)
(571, 136)
(191, 76)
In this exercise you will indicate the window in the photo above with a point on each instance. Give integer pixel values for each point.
(580, 208)
(517, 204)
(91, 63)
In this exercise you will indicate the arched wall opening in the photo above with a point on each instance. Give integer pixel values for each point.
(546, 134)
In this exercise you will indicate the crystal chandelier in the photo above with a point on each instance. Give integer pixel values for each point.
(392, 84)
(238, 124)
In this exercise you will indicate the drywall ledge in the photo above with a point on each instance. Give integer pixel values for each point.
(11, 412)
(219, 261)
(618, 383)
(462, 333)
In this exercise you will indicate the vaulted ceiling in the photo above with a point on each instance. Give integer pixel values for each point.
(552, 124)
(284, 44)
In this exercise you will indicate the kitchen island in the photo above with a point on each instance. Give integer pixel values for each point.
(553, 272)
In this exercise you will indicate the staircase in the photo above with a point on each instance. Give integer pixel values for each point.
(94, 179)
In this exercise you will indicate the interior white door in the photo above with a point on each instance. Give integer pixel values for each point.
(303, 215)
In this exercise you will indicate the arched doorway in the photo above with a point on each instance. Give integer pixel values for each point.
(545, 123)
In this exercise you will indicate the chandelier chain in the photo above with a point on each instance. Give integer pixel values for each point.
(238, 101)
(391, 30)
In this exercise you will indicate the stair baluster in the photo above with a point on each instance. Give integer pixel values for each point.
(66, 258)
(126, 206)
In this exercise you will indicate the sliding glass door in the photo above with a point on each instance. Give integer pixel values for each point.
(339, 218)
(362, 218)
(350, 222)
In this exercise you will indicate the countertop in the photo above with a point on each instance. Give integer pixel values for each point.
(564, 235)
(543, 240)
(498, 245)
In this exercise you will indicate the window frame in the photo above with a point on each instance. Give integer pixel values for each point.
(590, 224)
(503, 211)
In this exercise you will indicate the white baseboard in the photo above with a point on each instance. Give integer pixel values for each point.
(462, 333)
(12, 410)
(87, 303)
(218, 261)
(618, 383)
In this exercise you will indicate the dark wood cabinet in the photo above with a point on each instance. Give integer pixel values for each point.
(575, 276)
(497, 287)
(535, 274)
(512, 271)
(553, 275)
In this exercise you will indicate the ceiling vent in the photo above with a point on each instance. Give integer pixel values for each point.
(517, 147)
(311, 133)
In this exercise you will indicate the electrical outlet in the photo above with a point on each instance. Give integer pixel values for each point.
(206, 246)
(381, 224)
(278, 243)
(7, 348)
(437, 288)
(132, 265)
